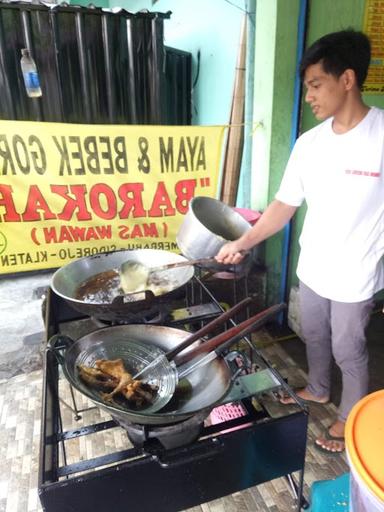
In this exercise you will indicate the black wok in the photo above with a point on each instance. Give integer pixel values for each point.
(109, 303)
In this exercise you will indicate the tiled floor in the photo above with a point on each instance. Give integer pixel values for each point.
(20, 401)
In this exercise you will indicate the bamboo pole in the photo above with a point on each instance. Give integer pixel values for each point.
(235, 138)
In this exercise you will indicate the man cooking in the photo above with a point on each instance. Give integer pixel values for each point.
(338, 169)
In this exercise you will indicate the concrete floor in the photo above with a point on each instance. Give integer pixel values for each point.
(21, 323)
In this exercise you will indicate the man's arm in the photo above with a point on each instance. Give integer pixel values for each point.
(273, 219)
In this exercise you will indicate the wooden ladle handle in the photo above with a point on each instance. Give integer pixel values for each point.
(234, 334)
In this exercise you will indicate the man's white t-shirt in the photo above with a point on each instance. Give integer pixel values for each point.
(341, 178)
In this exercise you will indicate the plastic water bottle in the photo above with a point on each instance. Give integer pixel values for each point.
(30, 75)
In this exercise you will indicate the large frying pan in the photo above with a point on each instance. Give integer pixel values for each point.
(206, 386)
(138, 346)
(115, 306)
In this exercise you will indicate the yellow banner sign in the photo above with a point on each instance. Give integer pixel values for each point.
(374, 28)
(68, 191)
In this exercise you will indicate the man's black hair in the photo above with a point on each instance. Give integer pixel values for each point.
(338, 51)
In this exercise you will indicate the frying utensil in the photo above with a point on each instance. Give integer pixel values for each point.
(165, 374)
(171, 354)
(206, 386)
(113, 305)
(220, 342)
(135, 275)
(226, 339)
(207, 226)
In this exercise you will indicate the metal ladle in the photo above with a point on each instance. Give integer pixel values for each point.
(134, 275)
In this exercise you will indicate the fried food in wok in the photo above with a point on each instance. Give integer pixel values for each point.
(96, 378)
(111, 375)
(104, 287)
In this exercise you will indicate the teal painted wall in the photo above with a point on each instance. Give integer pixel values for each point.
(213, 27)
(326, 16)
(86, 3)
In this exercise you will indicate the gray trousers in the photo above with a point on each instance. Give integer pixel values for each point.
(335, 328)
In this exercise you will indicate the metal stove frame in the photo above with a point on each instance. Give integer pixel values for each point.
(219, 463)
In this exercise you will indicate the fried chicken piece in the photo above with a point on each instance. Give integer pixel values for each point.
(112, 375)
(115, 368)
(96, 378)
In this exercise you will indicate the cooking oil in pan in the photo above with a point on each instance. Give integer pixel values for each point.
(101, 288)
(182, 394)
(104, 287)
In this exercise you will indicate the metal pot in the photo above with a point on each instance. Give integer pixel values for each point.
(205, 387)
(115, 306)
(207, 226)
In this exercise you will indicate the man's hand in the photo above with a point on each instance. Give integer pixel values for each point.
(273, 219)
(230, 254)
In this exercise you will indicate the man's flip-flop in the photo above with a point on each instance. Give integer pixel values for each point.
(287, 400)
(329, 437)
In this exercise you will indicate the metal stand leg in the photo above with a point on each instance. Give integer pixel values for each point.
(297, 490)
(74, 408)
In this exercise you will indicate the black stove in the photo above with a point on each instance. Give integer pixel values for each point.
(174, 467)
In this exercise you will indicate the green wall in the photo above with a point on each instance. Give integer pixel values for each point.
(326, 16)
(275, 64)
(275, 60)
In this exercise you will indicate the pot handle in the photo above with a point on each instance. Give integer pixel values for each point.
(57, 343)
(131, 298)
(231, 358)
